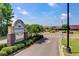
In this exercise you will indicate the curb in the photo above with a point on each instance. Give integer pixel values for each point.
(60, 48)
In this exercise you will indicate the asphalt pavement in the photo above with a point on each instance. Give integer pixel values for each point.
(44, 47)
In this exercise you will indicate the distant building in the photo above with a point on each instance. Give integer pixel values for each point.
(72, 27)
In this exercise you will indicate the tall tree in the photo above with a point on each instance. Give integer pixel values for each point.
(7, 14)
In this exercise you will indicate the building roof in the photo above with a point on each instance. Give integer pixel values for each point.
(74, 26)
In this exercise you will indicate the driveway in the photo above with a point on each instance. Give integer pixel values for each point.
(44, 47)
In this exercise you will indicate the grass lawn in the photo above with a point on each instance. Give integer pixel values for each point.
(74, 44)
(75, 32)
(72, 32)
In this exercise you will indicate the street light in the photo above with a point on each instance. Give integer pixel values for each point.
(68, 48)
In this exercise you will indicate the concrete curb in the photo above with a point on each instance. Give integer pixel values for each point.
(60, 48)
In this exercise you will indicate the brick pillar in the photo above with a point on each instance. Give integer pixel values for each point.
(10, 36)
(25, 34)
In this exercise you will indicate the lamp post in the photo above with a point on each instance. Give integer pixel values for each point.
(68, 48)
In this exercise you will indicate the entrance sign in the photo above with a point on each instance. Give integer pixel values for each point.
(19, 30)
(16, 32)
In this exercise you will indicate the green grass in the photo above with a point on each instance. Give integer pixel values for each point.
(52, 31)
(75, 32)
(74, 44)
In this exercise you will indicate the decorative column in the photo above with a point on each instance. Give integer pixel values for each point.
(25, 34)
(10, 36)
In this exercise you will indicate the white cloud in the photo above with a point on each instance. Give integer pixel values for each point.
(52, 4)
(21, 11)
(64, 15)
(18, 8)
(24, 12)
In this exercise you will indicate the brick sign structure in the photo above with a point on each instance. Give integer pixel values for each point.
(16, 32)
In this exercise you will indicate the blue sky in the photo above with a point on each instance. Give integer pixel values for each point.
(45, 13)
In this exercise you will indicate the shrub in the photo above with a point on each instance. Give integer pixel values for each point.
(37, 37)
(2, 45)
(40, 36)
(71, 32)
(14, 48)
(3, 53)
(20, 45)
(29, 42)
(33, 39)
(52, 31)
(7, 49)
(64, 31)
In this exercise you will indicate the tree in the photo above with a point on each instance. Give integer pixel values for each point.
(7, 14)
(34, 29)
(64, 27)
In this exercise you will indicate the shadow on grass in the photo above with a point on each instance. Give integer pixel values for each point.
(41, 41)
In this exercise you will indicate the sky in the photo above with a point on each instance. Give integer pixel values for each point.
(46, 14)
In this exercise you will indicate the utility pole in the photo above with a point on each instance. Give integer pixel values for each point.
(68, 28)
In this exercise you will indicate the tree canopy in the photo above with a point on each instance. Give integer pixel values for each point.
(64, 26)
(6, 13)
(34, 28)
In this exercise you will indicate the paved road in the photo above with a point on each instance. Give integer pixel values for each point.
(44, 47)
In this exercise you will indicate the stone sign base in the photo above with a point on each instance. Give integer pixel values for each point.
(25, 35)
(10, 39)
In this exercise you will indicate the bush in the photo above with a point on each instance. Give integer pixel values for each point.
(63, 31)
(41, 36)
(7, 49)
(37, 37)
(2, 45)
(71, 32)
(33, 39)
(20, 45)
(14, 48)
(29, 42)
(52, 31)
(3, 53)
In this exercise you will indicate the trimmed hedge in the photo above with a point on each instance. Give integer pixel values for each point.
(29, 42)
(8, 50)
(33, 39)
(2, 45)
(21, 45)
(3, 53)
(15, 48)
